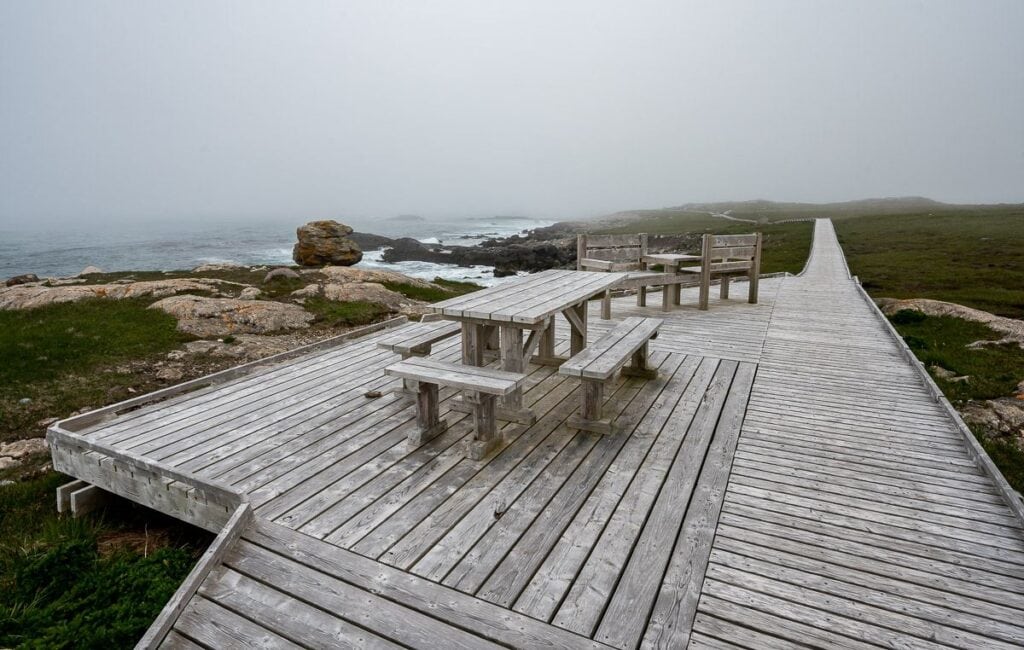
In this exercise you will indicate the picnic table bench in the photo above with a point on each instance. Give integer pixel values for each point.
(629, 254)
(602, 359)
(416, 340)
(526, 304)
(484, 386)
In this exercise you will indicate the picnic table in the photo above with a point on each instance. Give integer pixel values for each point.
(494, 320)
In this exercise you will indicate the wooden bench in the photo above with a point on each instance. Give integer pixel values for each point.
(416, 341)
(600, 360)
(483, 385)
(725, 256)
(627, 253)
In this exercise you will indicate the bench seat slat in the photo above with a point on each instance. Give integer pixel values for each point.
(720, 267)
(473, 378)
(407, 339)
(609, 353)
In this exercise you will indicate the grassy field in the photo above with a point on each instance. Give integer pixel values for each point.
(50, 358)
(95, 582)
(972, 256)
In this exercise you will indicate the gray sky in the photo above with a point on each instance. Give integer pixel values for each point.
(563, 109)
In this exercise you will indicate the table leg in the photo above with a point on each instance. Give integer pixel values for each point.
(511, 405)
(473, 344)
(676, 288)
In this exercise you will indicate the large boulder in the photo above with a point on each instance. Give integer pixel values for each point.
(325, 242)
(222, 316)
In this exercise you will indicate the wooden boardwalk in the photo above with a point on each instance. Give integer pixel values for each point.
(788, 480)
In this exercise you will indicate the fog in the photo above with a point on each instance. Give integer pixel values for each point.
(300, 110)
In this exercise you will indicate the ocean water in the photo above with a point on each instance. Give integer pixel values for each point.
(55, 251)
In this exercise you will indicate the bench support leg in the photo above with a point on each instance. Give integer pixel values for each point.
(666, 297)
(638, 366)
(641, 296)
(705, 290)
(589, 417)
(606, 305)
(486, 438)
(428, 423)
(723, 289)
(411, 387)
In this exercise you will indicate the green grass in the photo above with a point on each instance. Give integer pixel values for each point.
(41, 344)
(51, 355)
(942, 340)
(96, 582)
(971, 256)
(1007, 456)
(345, 313)
(449, 289)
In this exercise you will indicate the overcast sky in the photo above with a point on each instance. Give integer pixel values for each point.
(553, 109)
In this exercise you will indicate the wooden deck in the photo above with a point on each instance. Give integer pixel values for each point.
(789, 480)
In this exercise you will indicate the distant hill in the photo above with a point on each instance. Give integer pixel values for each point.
(879, 205)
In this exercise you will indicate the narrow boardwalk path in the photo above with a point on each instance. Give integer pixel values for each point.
(788, 480)
(855, 514)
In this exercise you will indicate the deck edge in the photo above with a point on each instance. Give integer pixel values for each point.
(168, 616)
(974, 448)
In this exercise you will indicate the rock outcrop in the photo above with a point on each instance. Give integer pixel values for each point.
(506, 256)
(344, 274)
(280, 272)
(222, 316)
(325, 242)
(21, 279)
(1011, 328)
(30, 296)
(369, 292)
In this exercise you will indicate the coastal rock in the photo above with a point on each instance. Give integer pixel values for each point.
(246, 347)
(21, 279)
(1011, 328)
(249, 293)
(222, 316)
(90, 270)
(170, 373)
(325, 242)
(1002, 417)
(24, 296)
(219, 266)
(308, 291)
(32, 296)
(506, 257)
(21, 448)
(368, 292)
(344, 274)
(282, 272)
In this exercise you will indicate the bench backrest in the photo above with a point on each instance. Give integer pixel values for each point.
(735, 250)
(610, 252)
